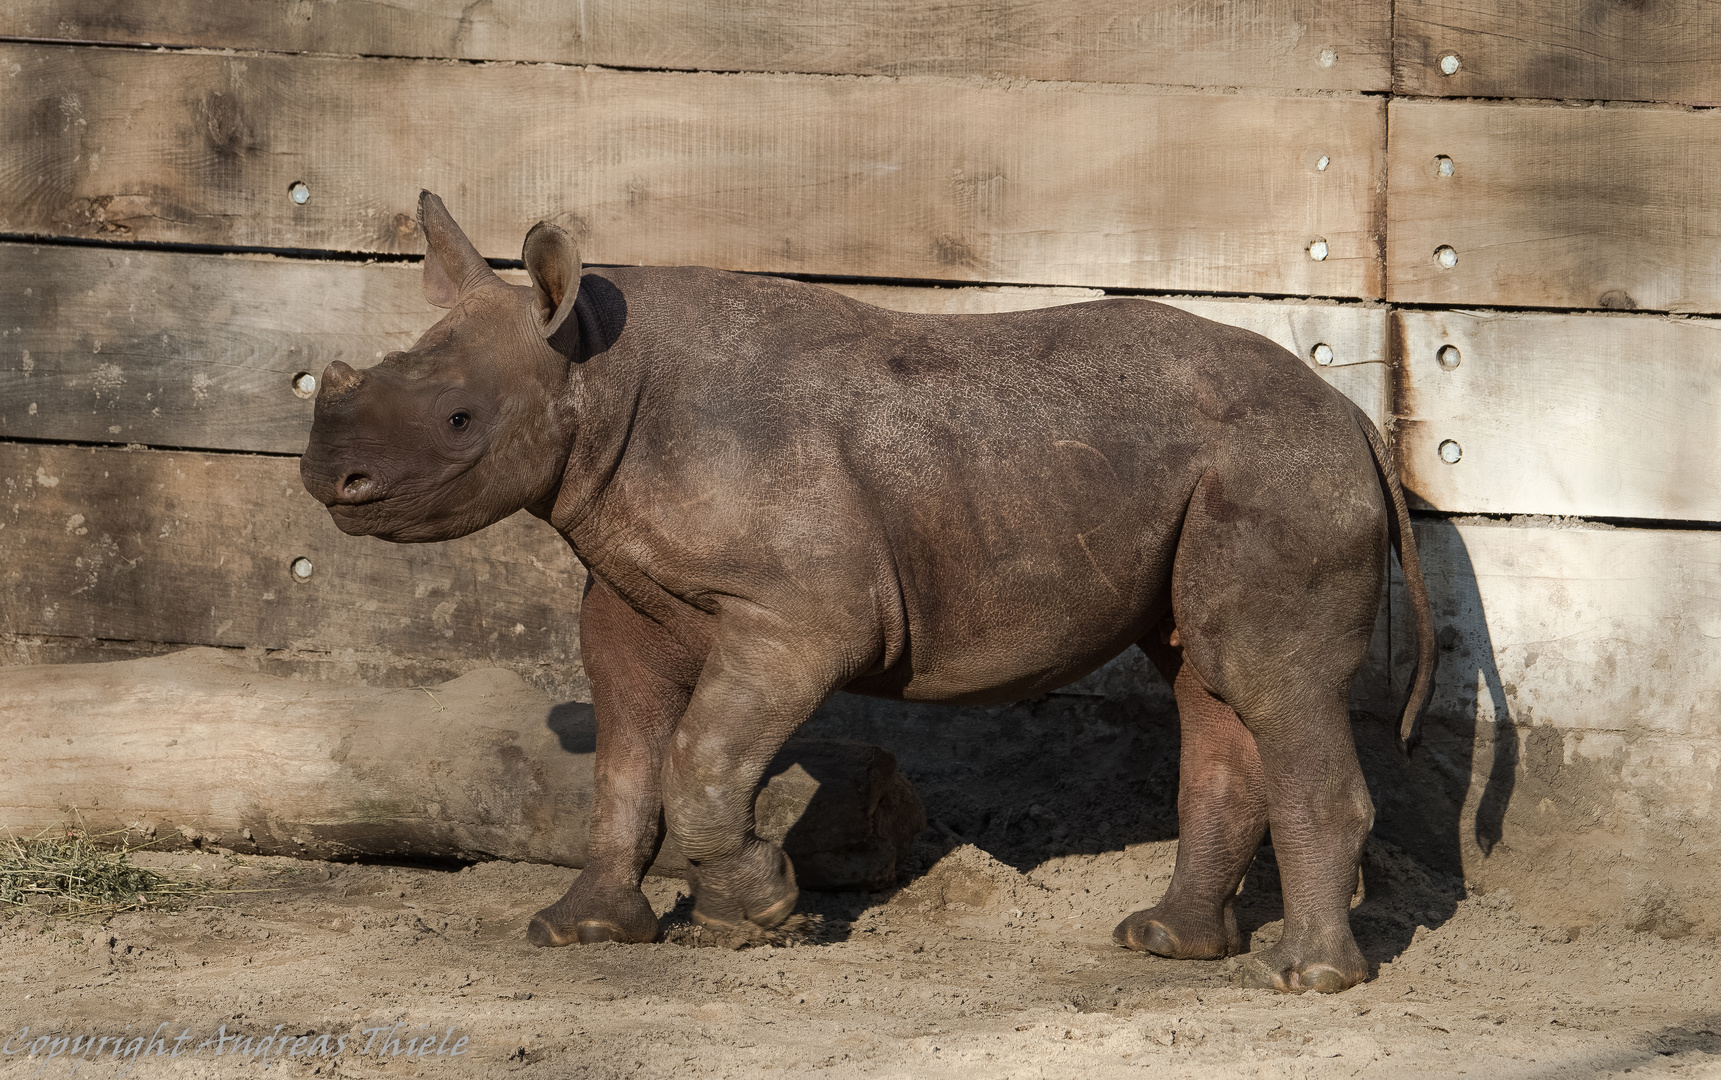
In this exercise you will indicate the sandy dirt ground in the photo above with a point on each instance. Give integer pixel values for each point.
(973, 970)
(993, 957)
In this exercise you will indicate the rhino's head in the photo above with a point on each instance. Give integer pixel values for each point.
(468, 425)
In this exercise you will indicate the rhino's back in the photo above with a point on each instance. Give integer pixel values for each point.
(746, 347)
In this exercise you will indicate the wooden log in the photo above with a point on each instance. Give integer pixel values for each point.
(199, 549)
(1282, 44)
(1098, 185)
(1613, 208)
(1573, 749)
(1666, 51)
(192, 749)
(201, 351)
(1588, 415)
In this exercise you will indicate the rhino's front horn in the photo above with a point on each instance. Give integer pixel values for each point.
(338, 378)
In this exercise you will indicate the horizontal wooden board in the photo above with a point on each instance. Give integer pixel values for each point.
(1608, 634)
(1285, 44)
(927, 179)
(1588, 415)
(1573, 748)
(196, 548)
(184, 350)
(1546, 206)
(200, 351)
(1581, 662)
(1622, 50)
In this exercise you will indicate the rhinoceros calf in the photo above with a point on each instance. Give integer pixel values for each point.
(780, 493)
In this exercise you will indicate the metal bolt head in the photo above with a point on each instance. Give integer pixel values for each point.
(1318, 250)
(1322, 354)
(1445, 256)
(1443, 166)
(304, 384)
(1329, 57)
(301, 568)
(1449, 357)
(1322, 162)
(1449, 64)
(298, 192)
(1450, 452)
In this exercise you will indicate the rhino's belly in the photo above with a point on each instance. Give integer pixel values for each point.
(999, 626)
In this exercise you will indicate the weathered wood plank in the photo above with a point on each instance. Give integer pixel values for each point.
(1587, 415)
(183, 350)
(197, 549)
(1547, 206)
(1589, 629)
(930, 179)
(484, 766)
(1576, 722)
(1281, 44)
(1666, 51)
(200, 351)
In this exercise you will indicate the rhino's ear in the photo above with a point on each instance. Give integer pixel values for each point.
(553, 260)
(452, 266)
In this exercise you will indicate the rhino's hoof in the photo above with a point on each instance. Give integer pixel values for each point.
(725, 917)
(1150, 932)
(583, 919)
(1261, 974)
(726, 912)
(545, 936)
(776, 913)
(542, 933)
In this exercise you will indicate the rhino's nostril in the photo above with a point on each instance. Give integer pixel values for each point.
(356, 487)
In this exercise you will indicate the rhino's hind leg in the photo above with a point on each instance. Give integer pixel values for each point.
(1276, 593)
(1321, 814)
(1221, 813)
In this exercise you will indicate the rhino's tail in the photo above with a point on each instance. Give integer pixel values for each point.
(1404, 542)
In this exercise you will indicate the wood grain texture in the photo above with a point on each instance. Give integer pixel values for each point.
(1257, 43)
(195, 548)
(185, 350)
(1618, 50)
(1587, 415)
(928, 179)
(485, 766)
(1604, 634)
(1615, 208)
(1574, 726)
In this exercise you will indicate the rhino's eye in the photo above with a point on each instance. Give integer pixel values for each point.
(459, 420)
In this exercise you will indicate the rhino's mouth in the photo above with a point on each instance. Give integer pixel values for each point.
(356, 519)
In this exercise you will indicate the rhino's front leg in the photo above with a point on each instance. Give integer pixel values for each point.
(640, 683)
(760, 682)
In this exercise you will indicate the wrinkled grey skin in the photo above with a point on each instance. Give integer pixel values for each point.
(779, 492)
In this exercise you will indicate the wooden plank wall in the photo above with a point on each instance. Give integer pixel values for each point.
(1517, 203)
(1572, 732)
(1272, 44)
